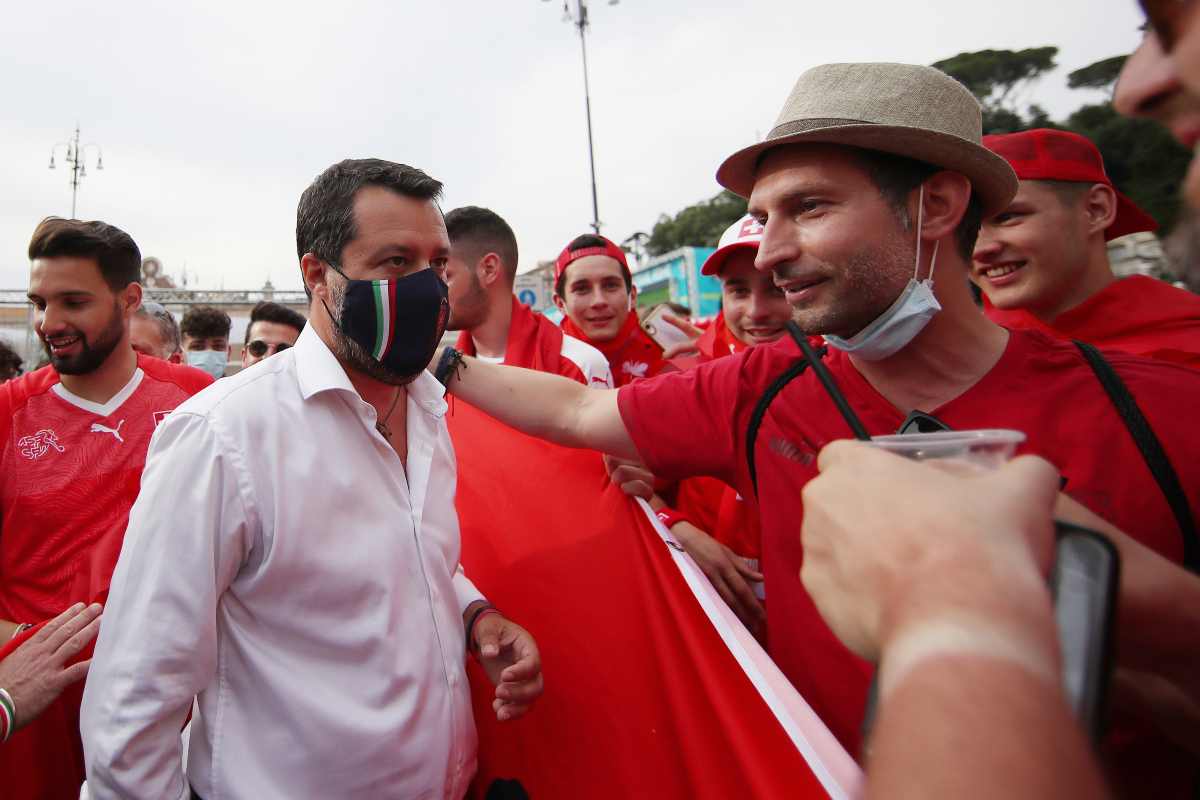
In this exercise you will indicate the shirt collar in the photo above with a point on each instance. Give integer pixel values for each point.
(318, 370)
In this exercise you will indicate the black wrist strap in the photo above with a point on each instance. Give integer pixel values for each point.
(470, 629)
(448, 365)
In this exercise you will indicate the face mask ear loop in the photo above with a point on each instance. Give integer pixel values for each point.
(920, 221)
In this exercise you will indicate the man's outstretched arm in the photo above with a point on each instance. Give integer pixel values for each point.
(547, 406)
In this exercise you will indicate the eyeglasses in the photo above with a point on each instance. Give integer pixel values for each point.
(1168, 18)
(258, 348)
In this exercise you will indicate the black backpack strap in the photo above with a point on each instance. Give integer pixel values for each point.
(1151, 449)
(760, 411)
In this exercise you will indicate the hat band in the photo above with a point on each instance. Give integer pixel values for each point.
(816, 123)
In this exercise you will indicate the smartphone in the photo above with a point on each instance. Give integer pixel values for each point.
(662, 332)
(1084, 584)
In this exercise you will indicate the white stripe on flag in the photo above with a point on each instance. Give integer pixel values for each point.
(829, 761)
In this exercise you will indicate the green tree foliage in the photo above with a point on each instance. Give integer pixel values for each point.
(699, 225)
(1101, 75)
(996, 77)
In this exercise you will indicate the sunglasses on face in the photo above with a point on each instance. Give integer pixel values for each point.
(258, 348)
(1168, 18)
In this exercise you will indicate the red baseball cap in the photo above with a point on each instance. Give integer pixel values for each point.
(568, 255)
(746, 233)
(1044, 154)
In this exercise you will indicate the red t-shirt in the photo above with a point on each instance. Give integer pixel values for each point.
(631, 354)
(69, 473)
(695, 423)
(1138, 314)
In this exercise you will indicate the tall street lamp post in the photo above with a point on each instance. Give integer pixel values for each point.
(579, 18)
(75, 156)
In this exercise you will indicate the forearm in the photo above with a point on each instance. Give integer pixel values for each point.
(546, 406)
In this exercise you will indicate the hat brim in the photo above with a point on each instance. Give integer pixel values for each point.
(992, 179)
(714, 263)
(1129, 219)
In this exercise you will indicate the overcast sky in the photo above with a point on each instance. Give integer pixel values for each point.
(213, 116)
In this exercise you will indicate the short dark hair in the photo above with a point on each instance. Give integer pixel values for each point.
(113, 250)
(205, 322)
(266, 311)
(896, 176)
(583, 242)
(325, 214)
(10, 362)
(483, 231)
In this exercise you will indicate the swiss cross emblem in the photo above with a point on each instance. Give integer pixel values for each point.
(159, 416)
(37, 445)
(750, 228)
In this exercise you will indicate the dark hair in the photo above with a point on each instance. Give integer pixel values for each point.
(266, 311)
(483, 231)
(10, 362)
(163, 319)
(325, 214)
(113, 250)
(583, 242)
(205, 322)
(896, 176)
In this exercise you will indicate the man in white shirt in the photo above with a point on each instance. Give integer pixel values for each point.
(494, 325)
(292, 559)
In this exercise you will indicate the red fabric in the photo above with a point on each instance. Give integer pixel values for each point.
(534, 342)
(631, 354)
(695, 423)
(62, 519)
(1138, 314)
(642, 697)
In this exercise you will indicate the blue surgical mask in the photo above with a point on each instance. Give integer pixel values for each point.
(211, 361)
(892, 330)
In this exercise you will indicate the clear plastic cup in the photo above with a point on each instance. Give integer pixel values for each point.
(985, 449)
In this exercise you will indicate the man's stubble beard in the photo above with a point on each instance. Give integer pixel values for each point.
(91, 356)
(871, 280)
(472, 308)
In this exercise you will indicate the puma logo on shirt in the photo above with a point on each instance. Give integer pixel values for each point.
(116, 432)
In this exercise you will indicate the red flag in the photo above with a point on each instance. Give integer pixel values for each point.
(643, 696)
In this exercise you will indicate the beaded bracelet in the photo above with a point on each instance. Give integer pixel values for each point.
(8, 714)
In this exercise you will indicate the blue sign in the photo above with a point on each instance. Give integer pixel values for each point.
(527, 297)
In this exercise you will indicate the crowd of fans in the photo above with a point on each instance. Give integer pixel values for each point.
(267, 563)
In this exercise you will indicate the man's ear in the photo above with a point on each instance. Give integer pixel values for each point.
(1099, 203)
(632, 297)
(314, 271)
(489, 269)
(560, 304)
(947, 195)
(131, 300)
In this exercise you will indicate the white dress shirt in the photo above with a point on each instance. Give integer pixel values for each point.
(282, 567)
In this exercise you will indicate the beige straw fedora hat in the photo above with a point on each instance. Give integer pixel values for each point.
(913, 111)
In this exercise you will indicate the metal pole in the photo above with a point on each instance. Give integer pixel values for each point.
(587, 105)
(75, 171)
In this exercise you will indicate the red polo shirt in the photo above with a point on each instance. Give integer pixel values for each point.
(695, 423)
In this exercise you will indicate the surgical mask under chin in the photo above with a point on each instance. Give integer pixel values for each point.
(398, 322)
(888, 333)
(211, 361)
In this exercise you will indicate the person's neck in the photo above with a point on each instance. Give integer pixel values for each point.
(957, 348)
(373, 391)
(103, 383)
(491, 335)
(1097, 276)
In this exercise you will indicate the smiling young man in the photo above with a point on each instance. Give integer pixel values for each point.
(594, 289)
(309, 589)
(73, 441)
(871, 188)
(1042, 263)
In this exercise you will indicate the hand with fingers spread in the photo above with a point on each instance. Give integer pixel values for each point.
(510, 657)
(37, 672)
(728, 572)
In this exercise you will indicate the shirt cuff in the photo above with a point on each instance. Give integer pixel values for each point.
(465, 591)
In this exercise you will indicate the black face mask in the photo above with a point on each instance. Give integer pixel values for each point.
(398, 323)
